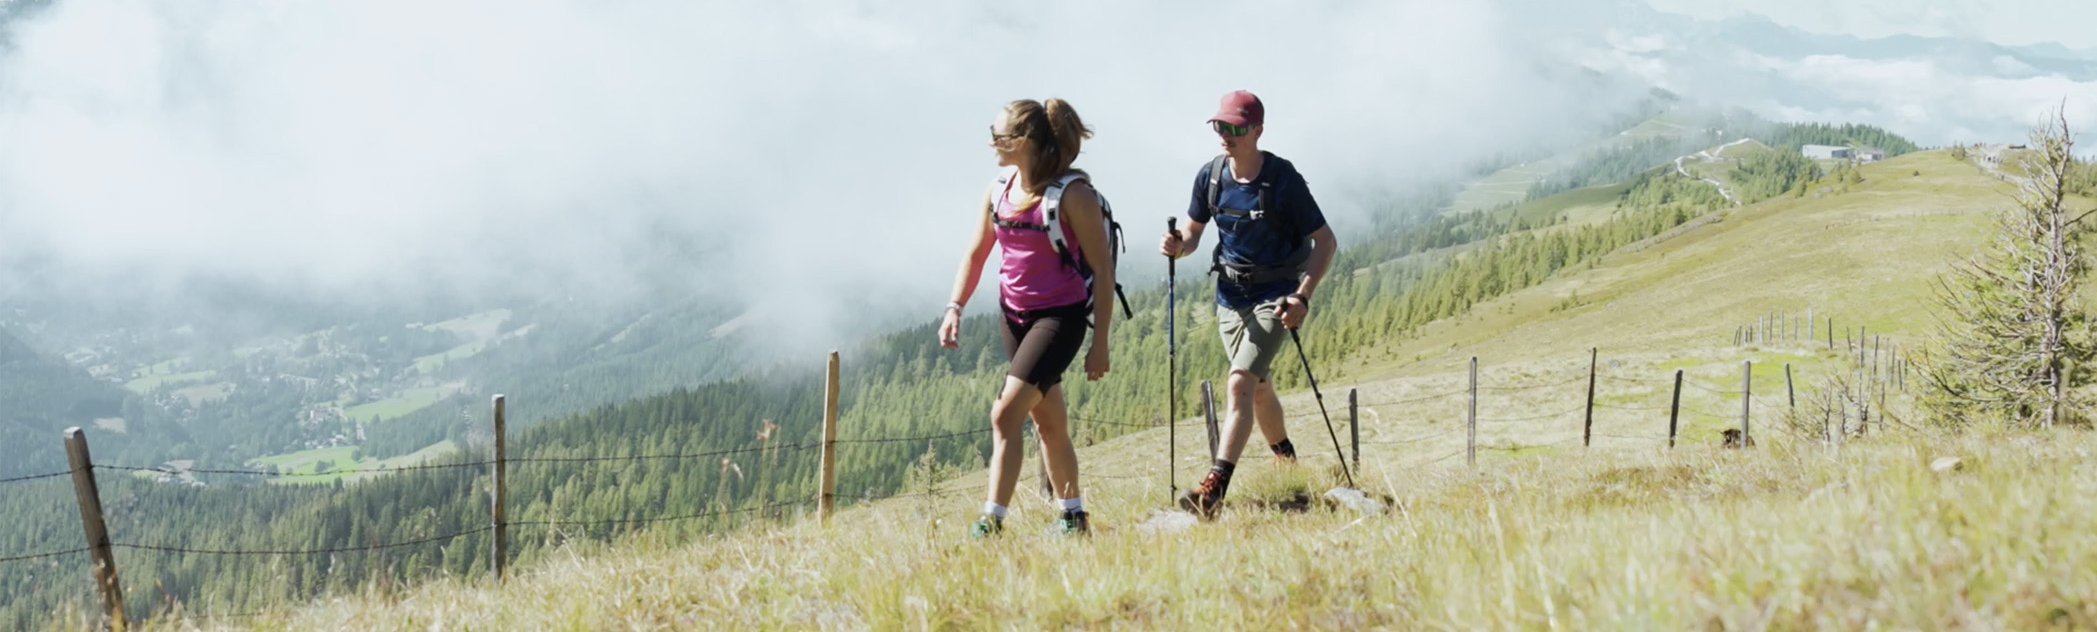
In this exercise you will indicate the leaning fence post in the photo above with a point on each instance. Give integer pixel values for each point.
(1471, 444)
(1747, 389)
(498, 498)
(827, 502)
(1208, 411)
(1789, 394)
(1587, 430)
(1354, 427)
(1674, 411)
(90, 497)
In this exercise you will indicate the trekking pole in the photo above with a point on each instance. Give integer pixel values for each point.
(1172, 370)
(1321, 407)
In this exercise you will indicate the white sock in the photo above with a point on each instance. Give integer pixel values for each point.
(994, 510)
(1073, 504)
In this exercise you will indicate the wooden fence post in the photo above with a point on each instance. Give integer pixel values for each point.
(1354, 427)
(1674, 411)
(1208, 409)
(1811, 332)
(1747, 390)
(1831, 333)
(1790, 395)
(1587, 430)
(90, 497)
(827, 502)
(1471, 444)
(498, 498)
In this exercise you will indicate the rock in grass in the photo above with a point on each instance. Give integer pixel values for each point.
(1357, 500)
(1168, 522)
(1947, 464)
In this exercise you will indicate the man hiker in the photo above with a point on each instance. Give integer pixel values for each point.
(1273, 248)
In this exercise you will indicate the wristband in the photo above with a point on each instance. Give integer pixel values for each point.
(954, 307)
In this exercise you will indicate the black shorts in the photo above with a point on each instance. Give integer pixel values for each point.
(1042, 343)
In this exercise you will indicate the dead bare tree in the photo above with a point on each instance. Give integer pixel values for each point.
(2009, 324)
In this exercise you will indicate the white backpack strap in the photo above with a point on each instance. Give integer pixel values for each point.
(1052, 215)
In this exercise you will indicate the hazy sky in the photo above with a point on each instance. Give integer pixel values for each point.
(2066, 22)
(809, 149)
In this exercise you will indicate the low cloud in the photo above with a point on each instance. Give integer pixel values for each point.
(816, 157)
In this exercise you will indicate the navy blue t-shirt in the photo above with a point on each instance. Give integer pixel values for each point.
(1263, 242)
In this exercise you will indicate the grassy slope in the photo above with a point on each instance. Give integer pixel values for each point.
(1512, 184)
(1542, 534)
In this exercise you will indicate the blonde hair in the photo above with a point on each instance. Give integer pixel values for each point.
(1055, 134)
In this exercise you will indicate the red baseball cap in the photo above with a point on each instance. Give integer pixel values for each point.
(1241, 108)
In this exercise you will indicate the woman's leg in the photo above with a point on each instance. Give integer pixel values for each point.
(1007, 416)
(1052, 421)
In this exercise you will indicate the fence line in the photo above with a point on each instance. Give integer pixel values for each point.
(267, 473)
(1511, 420)
(35, 477)
(343, 549)
(83, 472)
(1530, 387)
(627, 521)
(1636, 380)
(1417, 400)
(39, 556)
(1412, 440)
(928, 438)
(664, 457)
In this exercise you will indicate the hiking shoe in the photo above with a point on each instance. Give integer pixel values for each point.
(1285, 452)
(986, 527)
(1206, 498)
(1074, 523)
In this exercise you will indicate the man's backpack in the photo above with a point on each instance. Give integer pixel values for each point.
(1266, 212)
(1052, 214)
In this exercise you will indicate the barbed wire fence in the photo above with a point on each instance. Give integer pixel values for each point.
(1462, 403)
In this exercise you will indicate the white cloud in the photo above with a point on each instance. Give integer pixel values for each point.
(833, 148)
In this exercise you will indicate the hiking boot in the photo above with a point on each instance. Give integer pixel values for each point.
(986, 527)
(1074, 523)
(1206, 498)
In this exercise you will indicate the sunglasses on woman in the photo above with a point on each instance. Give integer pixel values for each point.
(1233, 131)
(995, 137)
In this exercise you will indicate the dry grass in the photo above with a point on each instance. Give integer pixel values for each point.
(1786, 536)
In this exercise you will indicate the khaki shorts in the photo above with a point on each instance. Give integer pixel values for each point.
(1252, 337)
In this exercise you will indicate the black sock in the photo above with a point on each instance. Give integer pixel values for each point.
(1284, 449)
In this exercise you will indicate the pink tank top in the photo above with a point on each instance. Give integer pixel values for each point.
(1032, 276)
